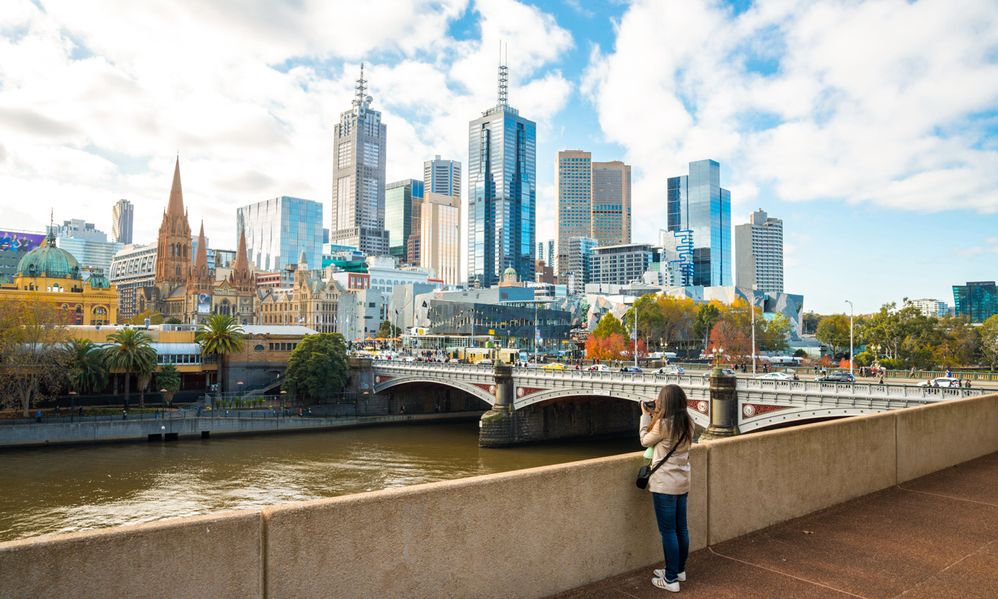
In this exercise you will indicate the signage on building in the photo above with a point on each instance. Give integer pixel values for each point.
(13, 246)
(204, 303)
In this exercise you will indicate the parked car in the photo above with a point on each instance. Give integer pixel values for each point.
(942, 381)
(554, 366)
(728, 372)
(836, 377)
(632, 369)
(454, 361)
(598, 368)
(775, 376)
(485, 362)
(671, 370)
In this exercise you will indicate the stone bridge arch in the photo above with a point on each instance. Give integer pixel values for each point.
(699, 410)
(783, 415)
(384, 383)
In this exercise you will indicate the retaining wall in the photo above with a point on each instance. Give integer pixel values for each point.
(528, 533)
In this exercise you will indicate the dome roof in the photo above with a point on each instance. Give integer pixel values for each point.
(97, 280)
(49, 261)
(510, 271)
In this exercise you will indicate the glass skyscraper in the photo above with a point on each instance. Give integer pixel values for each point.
(977, 300)
(442, 176)
(402, 202)
(502, 193)
(697, 203)
(279, 230)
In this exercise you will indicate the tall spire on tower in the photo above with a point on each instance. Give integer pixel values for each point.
(362, 99)
(175, 207)
(503, 79)
(201, 258)
(241, 276)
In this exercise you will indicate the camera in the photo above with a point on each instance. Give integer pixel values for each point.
(649, 405)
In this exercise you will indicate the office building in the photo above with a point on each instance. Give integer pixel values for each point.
(577, 263)
(87, 244)
(122, 220)
(620, 264)
(573, 191)
(358, 215)
(278, 230)
(402, 203)
(132, 269)
(931, 307)
(502, 192)
(759, 251)
(443, 177)
(977, 300)
(698, 206)
(440, 236)
(610, 216)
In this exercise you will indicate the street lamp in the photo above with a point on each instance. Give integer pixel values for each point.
(72, 398)
(752, 312)
(284, 394)
(850, 334)
(635, 334)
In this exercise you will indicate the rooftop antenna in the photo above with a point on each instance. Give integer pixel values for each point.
(503, 78)
(361, 88)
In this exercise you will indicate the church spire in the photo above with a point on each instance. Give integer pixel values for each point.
(201, 258)
(175, 207)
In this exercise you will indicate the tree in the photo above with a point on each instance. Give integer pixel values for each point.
(732, 339)
(989, 341)
(809, 323)
(608, 325)
(774, 333)
(609, 348)
(168, 378)
(30, 360)
(707, 317)
(959, 342)
(833, 331)
(129, 351)
(317, 368)
(219, 336)
(86, 370)
(388, 331)
(153, 316)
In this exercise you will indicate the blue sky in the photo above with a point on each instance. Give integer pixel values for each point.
(870, 128)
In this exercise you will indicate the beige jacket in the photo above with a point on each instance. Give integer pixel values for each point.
(672, 477)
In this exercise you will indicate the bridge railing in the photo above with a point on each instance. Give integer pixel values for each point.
(857, 389)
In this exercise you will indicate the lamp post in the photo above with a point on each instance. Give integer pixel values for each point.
(536, 332)
(72, 398)
(752, 312)
(635, 334)
(284, 394)
(850, 334)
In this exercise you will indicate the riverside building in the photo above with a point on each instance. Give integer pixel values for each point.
(696, 203)
(278, 231)
(759, 248)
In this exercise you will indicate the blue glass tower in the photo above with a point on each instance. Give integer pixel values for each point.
(697, 203)
(502, 193)
(279, 230)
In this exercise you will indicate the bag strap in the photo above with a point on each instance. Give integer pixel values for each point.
(664, 460)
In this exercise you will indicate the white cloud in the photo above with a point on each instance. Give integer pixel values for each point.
(96, 97)
(868, 102)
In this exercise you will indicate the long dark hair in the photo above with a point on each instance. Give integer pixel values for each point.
(670, 407)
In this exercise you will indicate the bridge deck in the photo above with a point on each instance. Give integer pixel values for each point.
(936, 536)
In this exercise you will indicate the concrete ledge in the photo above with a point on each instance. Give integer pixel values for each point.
(757, 480)
(937, 436)
(208, 556)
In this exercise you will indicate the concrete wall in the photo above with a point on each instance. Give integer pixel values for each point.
(528, 533)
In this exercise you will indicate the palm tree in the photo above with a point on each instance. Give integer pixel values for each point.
(168, 381)
(129, 351)
(219, 336)
(85, 366)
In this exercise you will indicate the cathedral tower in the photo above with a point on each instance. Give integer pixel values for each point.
(173, 252)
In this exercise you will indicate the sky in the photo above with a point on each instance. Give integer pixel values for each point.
(870, 128)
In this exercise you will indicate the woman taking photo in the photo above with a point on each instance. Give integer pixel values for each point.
(668, 428)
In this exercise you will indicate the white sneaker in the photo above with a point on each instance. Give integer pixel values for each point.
(660, 573)
(669, 586)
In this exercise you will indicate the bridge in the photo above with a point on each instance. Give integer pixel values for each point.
(583, 402)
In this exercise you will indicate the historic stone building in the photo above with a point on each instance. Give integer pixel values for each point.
(314, 300)
(187, 290)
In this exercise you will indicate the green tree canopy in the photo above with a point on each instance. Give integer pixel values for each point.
(833, 331)
(129, 352)
(707, 316)
(387, 330)
(988, 334)
(609, 325)
(317, 368)
(169, 379)
(86, 371)
(220, 335)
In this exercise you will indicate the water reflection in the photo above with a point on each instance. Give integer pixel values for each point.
(54, 490)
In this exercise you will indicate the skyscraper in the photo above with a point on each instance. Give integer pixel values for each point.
(611, 203)
(279, 230)
(977, 300)
(443, 177)
(502, 192)
(402, 203)
(122, 216)
(87, 244)
(573, 190)
(359, 177)
(697, 203)
(440, 236)
(759, 251)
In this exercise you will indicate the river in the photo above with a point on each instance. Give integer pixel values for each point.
(66, 489)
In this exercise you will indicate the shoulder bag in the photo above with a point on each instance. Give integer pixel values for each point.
(646, 471)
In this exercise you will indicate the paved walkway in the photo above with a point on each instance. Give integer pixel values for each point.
(933, 537)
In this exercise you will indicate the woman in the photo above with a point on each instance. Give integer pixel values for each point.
(665, 427)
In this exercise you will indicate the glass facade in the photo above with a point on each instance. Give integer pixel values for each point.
(279, 230)
(501, 196)
(697, 203)
(442, 176)
(402, 199)
(977, 300)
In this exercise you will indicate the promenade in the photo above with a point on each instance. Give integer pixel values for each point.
(933, 537)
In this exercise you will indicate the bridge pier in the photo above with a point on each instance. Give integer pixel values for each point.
(723, 406)
(497, 428)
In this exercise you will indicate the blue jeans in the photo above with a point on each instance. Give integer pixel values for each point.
(670, 511)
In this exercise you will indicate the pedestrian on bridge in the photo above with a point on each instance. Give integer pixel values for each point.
(668, 428)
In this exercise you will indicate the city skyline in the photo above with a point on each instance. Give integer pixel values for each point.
(577, 74)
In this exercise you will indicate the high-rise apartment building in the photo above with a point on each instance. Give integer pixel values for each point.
(621, 264)
(278, 231)
(122, 219)
(573, 191)
(759, 251)
(697, 204)
(402, 203)
(87, 244)
(502, 192)
(977, 300)
(930, 307)
(132, 269)
(611, 203)
(359, 138)
(442, 176)
(578, 262)
(440, 236)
